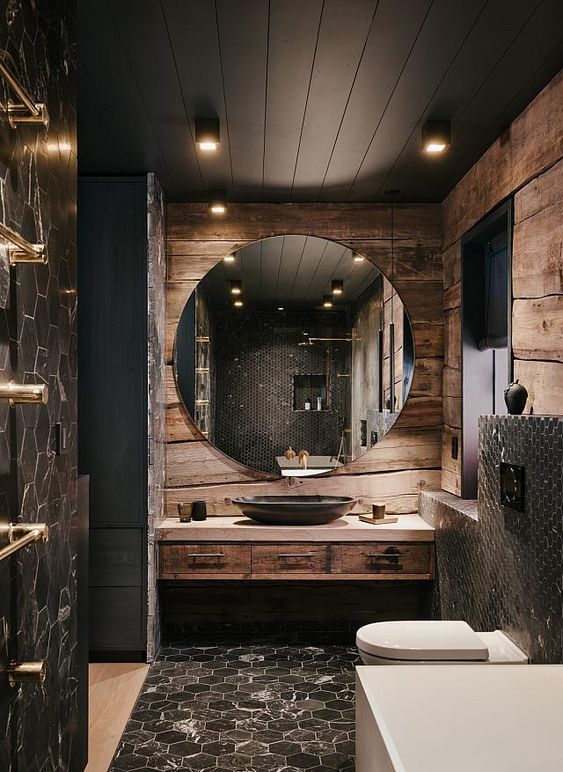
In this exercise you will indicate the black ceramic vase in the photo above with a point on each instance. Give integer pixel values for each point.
(515, 396)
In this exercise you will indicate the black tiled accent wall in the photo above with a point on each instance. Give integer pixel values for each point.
(497, 568)
(38, 343)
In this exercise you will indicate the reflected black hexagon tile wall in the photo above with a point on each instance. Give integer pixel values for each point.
(254, 389)
(253, 707)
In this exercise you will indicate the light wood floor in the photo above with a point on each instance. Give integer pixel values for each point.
(113, 690)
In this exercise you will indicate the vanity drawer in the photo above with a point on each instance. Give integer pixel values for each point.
(385, 558)
(184, 560)
(291, 559)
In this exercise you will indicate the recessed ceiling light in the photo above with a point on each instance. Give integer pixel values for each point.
(229, 259)
(238, 303)
(218, 202)
(435, 147)
(235, 286)
(281, 308)
(327, 301)
(207, 133)
(436, 136)
(358, 259)
(337, 287)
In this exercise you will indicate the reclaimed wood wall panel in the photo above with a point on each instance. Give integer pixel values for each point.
(408, 459)
(531, 144)
(537, 328)
(537, 276)
(525, 162)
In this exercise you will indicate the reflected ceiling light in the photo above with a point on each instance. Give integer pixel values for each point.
(358, 259)
(235, 286)
(238, 303)
(218, 202)
(229, 259)
(436, 136)
(327, 301)
(337, 287)
(207, 134)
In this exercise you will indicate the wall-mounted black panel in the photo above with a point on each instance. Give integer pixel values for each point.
(112, 214)
(117, 557)
(116, 619)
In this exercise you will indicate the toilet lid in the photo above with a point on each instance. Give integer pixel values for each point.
(420, 640)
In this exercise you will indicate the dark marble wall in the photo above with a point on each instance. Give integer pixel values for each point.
(255, 357)
(500, 569)
(38, 344)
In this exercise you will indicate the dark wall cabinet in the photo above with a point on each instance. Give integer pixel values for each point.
(112, 232)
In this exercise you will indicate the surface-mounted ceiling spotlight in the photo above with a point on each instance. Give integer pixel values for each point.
(229, 259)
(358, 259)
(235, 286)
(238, 303)
(327, 301)
(218, 202)
(337, 287)
(207, 133)
(436, 136)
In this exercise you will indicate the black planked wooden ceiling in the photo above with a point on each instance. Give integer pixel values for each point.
(319, 100)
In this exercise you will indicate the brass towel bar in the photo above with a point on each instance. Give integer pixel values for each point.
(20, 250)
(22, 534)
(24, 393)
(28, 111)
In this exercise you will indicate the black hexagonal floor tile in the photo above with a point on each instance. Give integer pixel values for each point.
(254, 707)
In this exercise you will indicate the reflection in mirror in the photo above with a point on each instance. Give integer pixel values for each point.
(296, 357)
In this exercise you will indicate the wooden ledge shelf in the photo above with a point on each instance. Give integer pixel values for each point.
(353, 551)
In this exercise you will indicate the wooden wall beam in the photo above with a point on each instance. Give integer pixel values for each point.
(339, 222)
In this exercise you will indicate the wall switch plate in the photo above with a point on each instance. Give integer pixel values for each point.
(513, 486)
(363, 433)
(455, 447)
(61, 439)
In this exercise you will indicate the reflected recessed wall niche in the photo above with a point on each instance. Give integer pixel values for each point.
(294, 343)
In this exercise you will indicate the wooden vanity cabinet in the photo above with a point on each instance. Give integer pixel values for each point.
(303, 561)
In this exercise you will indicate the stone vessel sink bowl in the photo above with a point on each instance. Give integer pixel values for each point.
(295, 510)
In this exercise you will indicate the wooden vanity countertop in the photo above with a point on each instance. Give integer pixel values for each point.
(242, 529)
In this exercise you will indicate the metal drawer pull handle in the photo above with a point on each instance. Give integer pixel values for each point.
(296, 554)
(206, 554)
(22, 534)
(27, 672)
(384, 555)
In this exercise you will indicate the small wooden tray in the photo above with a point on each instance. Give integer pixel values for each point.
(380, 521)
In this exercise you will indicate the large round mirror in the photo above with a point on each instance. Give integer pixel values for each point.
(294, 355)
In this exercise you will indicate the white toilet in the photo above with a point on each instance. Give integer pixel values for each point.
(434, 643)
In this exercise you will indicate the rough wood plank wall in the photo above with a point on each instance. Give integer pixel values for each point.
(524, 161)
(404, 462)
(537, 277)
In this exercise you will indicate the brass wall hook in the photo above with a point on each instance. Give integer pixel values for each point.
(27, 672)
